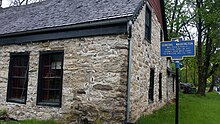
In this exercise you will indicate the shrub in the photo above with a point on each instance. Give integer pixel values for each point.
(3, 112)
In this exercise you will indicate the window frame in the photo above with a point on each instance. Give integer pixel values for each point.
(151, 86)
(10, 78)
(40, 79)
(148, 28)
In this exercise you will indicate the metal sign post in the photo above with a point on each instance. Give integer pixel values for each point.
(177, 64)
(177, 49)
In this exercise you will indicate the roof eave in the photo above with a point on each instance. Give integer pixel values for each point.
(137, 10)
(164, 20)
(96, 28)
(110, 21)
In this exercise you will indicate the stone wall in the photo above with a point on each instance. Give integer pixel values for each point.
(171, 83)
(94, 79)
(95, 76)
(146, 56)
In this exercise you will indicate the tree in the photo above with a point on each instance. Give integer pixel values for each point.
(215, 59)
(208, 28)
(179, 18)
(204, 15)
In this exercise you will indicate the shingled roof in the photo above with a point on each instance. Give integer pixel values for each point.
(61, 13)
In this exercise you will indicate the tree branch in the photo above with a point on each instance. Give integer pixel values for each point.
(213, 70)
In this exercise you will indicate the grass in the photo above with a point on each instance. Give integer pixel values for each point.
(192, 110)
(6, 120)
(165, 115)
(32, 121)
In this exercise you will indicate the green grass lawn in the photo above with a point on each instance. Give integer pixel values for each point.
(192, 110)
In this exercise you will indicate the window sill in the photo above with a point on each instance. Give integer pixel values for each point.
(49, 104)
(150, 101)
(149, 41)
(14, 100)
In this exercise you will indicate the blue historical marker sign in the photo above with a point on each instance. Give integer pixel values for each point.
(178, 50)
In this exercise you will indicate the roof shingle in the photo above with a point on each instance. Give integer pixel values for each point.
(58, 13)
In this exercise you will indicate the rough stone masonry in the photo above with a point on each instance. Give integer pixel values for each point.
(94, 81)
(94, 76)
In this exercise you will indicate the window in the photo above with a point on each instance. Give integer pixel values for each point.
(151, 87)
(160, 86)
(148, 24)
(50, 78)
(18, 78)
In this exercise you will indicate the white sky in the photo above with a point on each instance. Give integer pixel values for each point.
(5, 3)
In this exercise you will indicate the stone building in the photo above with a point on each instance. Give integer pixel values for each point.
(87, 59)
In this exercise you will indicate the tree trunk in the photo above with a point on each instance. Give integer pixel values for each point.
(206, 65)
(212, 84)
(201, 83)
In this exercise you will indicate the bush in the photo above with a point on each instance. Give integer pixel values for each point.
(3, 112)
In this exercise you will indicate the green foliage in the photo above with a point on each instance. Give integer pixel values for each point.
(98, 121)
(31, 121)
(209, 22)
(3, 112)
(38, 122)
(205, 16)
(193, 109)
(189, 65)
(179, 16)
(173, 67)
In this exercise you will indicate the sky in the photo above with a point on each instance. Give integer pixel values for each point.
(5, 3)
